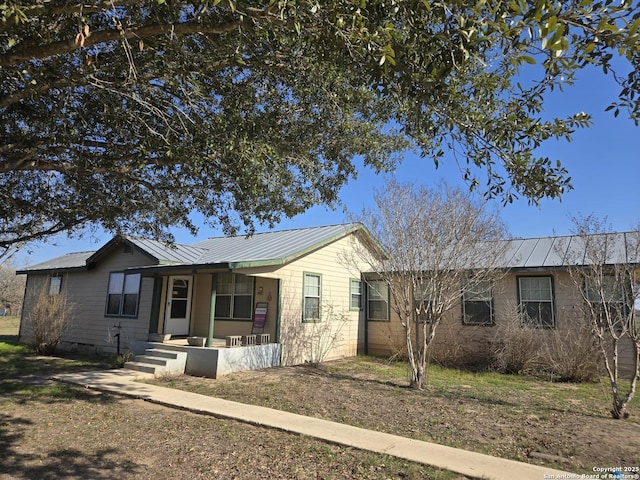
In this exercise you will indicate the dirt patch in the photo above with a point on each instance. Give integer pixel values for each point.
(557, 425)
(74, 434)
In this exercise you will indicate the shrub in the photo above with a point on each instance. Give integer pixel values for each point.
(571, 355)
(50, 317)
(516, 348)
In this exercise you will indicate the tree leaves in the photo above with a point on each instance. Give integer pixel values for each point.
(132, 114)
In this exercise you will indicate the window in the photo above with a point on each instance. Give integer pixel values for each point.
(123, 294)
(311, 301)
(355, 294)
(536, 301)
(55, 283)
(422, 305)
(611, 299)
(234, 296)
(477, 304)
(377, 300)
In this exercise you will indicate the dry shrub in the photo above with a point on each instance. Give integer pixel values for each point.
(461, 346)
(516, 347)
(50, 317)
(571, 355)
(312, 342)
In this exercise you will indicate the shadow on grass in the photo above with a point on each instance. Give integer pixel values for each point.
(56, 464)
(455, 393)
(12, 339)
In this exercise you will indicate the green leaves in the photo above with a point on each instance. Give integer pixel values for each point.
(247, 113)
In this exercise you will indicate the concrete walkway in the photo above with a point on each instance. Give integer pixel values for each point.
(471, 464)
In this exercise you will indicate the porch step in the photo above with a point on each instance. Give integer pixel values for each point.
(159, 362)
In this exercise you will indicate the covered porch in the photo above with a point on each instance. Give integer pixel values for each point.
(222, 319)
(211, 362)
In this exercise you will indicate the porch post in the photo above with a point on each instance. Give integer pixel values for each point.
(212, 308)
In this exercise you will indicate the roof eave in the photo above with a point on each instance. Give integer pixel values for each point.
(42, 271)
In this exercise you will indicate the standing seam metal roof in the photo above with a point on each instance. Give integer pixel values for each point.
(281, 246)
(561, 251)
(270, 247)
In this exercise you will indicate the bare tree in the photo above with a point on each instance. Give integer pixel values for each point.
(11, 289)
(605, 268)
(440, 242)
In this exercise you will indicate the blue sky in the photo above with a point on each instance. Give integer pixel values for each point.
(602, 162)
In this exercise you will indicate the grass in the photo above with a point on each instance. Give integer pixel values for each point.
(566, 426)
(49, 430)
(504, 415)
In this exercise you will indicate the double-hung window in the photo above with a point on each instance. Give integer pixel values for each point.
(377, 300)
(536, 301)
(311, 300)
(355, 294)
(123, 294)
(609, 297)
(477, 304)
(234, 296)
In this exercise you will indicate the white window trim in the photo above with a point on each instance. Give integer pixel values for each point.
(305, 296)
(551, 301)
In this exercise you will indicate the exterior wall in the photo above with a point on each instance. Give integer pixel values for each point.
(340, 332)
(92, 330)
(473, 344)
(201, 307)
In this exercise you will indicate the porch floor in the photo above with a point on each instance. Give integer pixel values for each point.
(183, 342)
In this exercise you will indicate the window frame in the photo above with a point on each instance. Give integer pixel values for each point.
(121, 291)
(538, 323)
(622, 306)
(55, 285)
(305, 296)
(421, 297)
(487, 300)
(232, 297)
(355, 295)
(368, 287)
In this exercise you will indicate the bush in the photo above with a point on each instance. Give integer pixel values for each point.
(516, 348)
(50, 317)
(571, 355)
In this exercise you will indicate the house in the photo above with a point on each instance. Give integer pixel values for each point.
(288, 287)
(534, 277)
(295, 291)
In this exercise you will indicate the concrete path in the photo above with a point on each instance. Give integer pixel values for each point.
(476, 465)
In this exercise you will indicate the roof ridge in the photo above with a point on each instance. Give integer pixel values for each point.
(283, 230)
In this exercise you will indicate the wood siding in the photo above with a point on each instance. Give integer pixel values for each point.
(340, 331)
(92, 330)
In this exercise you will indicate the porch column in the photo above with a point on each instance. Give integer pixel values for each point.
(212, 308)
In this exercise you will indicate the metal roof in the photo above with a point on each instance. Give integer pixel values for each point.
(70, 261)
(168, 253)
(555, 252)
(278, 247)
(270, 248)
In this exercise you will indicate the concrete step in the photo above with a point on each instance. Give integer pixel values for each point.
(144, 367)
(161, 352)
(151, 359)
(159, 362)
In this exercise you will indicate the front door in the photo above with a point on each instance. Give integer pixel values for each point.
(178, 312)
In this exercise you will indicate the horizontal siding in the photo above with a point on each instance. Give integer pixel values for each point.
(337, 320)
(387, 338)
(88, 291)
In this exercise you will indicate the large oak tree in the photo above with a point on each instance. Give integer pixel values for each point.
(134, 114)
